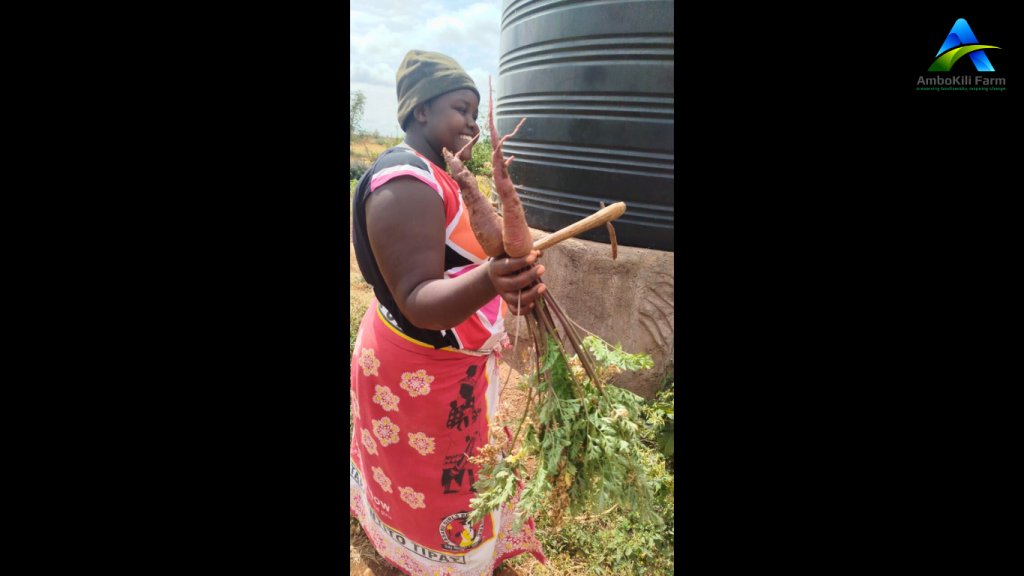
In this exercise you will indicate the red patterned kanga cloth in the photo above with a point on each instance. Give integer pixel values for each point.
(417, 413)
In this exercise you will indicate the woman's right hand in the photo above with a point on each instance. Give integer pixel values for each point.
(510, 275)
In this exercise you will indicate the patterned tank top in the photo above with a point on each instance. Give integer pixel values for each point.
(462, 252)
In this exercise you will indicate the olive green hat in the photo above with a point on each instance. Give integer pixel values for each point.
(424, 75)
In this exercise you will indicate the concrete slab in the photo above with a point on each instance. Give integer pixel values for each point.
(629, 300)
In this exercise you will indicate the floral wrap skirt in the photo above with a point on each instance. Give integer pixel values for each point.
(418, 413)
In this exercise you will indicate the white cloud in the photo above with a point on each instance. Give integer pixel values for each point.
(379, 73)
(382, 32)
(364, 18)
(437, 25)
(479, 76)
(381, 112)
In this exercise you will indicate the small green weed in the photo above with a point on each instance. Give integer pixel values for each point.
(480, 163)
(356, 169)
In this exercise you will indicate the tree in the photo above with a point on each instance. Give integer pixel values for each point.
(356, 107)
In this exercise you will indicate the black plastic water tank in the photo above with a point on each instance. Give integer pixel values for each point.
(595, 80)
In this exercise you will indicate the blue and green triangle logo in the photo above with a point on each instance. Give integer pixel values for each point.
(959, 43)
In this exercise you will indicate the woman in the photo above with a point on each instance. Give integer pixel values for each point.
(424, 372)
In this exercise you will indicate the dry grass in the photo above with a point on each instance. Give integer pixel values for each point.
(485, 185)
(362, 556)
(360, 293)
(364, 150)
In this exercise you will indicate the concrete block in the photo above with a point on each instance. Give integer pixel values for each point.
(630, 300)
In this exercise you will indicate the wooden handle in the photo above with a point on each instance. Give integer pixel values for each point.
(593, 221)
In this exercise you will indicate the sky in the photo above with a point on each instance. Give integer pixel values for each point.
(382, 32)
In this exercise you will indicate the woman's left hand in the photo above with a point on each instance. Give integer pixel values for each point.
(510, 275)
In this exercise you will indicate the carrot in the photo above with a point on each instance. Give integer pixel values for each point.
(515, 232)
(484, 221)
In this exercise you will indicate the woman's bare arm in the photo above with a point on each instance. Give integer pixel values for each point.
(406, 225)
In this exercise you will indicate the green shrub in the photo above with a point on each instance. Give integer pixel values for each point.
(660, 419)
(621, 539)
(356, 107)
(480, 163)
(356, 170)
(617, 542)
(388, 141)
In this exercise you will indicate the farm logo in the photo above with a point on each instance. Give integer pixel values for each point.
(959, 43)
(457, 534)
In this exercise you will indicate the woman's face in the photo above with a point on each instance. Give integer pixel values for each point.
(451, 122)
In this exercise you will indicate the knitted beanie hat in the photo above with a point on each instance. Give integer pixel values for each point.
(424, 75)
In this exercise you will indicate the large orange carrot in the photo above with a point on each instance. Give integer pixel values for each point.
(515, 232)
(484, 221)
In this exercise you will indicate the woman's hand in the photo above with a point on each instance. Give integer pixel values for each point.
(510, 275)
